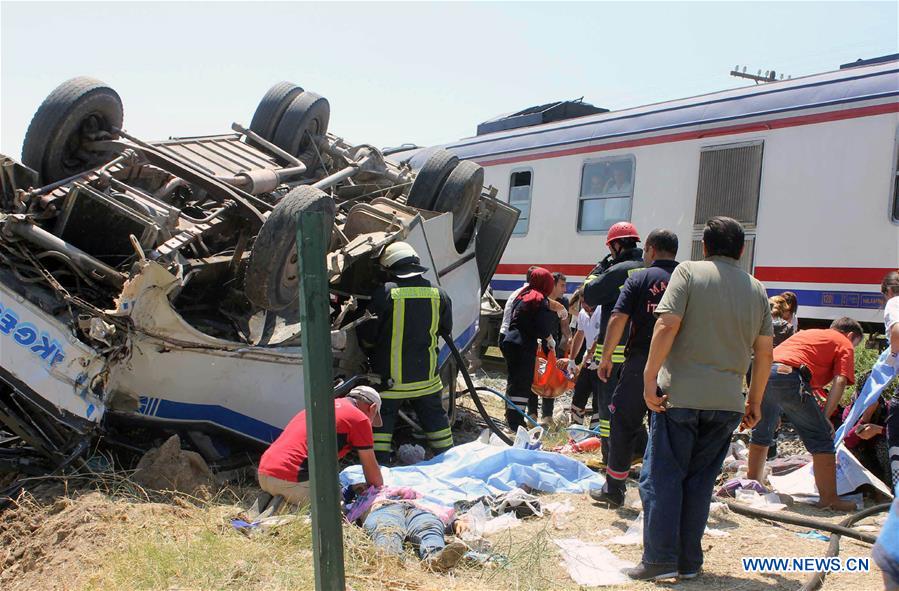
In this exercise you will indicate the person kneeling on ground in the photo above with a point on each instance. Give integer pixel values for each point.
(392, 515)
(284, 469)
(827, 355)
(868, 439)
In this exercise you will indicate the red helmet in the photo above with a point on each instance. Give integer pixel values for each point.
(621, 230)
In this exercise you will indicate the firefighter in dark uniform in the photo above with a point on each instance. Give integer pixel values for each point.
(601, 289)
(401, 344)
(636, 306)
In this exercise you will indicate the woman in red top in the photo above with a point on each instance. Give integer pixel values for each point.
(531, 320)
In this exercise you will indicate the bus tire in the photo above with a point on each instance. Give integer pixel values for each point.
(459, 195)
(306, 116)
(271, 108)
(430, 179)
(77, 111)
(272, 279)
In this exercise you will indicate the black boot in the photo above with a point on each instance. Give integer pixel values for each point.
(612, 493)
(652, 572)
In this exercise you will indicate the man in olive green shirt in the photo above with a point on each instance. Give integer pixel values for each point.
(711, 320)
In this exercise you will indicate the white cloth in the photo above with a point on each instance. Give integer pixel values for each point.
(591, 565)
(891, 314)
(507, 311)
(589, 325)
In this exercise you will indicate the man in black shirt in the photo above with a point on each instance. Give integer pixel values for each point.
(601, 289)
(639, 297)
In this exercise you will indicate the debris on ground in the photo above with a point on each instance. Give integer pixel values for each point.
(593, 565)
(170, 468)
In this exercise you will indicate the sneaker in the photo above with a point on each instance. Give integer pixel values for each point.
(448, 557)
(688, 575)
(652, 572)
(614, 499)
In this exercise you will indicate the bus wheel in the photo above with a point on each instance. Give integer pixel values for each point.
(271, 108)
(459, 195)
(272, 279)
(77, 112)
(430, 179)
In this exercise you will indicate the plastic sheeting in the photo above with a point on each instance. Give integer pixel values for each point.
(475, 469)
(881, 374)
(591, 565)
(850, 475)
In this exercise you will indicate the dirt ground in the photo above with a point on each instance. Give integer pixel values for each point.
(104, 531)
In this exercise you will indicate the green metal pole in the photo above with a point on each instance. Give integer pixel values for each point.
(318, 387)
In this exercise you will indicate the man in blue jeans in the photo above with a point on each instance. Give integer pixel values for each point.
(712, 317)
(822, 356)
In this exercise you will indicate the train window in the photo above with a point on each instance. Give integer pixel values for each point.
(520, 185)
(607, 189)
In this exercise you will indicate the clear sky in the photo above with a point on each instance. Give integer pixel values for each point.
(411, 72)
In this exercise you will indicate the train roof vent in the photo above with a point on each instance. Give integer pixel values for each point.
(557, 111)
(871, 61)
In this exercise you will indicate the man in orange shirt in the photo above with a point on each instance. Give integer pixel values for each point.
(809, 360)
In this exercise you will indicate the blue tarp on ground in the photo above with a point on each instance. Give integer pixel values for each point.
(476, 469)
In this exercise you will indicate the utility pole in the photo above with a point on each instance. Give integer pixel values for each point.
(313, 235)
(768, 76)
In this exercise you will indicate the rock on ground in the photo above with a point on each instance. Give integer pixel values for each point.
(168, 467)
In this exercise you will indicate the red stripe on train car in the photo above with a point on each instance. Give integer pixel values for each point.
(565, 269)
(704, 133)
(850, 275)
(858, 275)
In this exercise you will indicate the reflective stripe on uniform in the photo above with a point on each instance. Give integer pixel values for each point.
(604, 428)
(435, 313)
(413, 389)
(383, 441)
(396, 340)
(617, 354)
(399, 388)
(440, 439)
(408, 293)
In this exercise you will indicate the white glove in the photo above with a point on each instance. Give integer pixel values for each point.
(563, 313)
(572, 366)
(551, 343)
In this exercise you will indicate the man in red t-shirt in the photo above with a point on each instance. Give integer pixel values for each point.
(283, 468)
(829, 355)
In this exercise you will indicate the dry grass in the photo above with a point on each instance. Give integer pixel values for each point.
(122, 537)
(118, 536)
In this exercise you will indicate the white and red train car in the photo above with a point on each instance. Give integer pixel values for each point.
(808, 165)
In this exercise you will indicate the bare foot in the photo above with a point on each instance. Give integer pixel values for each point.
(836, 505)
